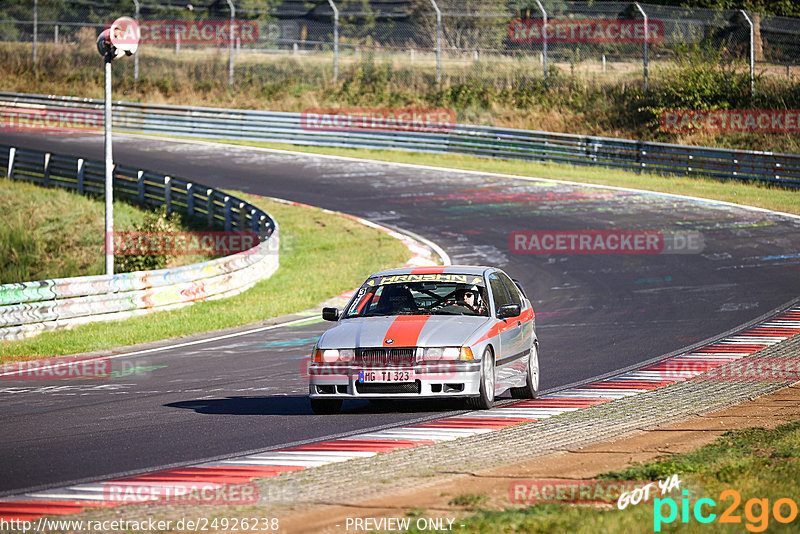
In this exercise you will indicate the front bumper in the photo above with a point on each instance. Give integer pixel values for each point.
(439, 380)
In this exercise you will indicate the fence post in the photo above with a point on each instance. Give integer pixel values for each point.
(335, 41)
(55, 34)
(544, 37)
(136, 56)
(644, 52)
(230, 44)
(752, 54)
(438, 42)
(81, 170)
(35, 29)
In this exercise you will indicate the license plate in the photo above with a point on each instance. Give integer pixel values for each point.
(385, 375)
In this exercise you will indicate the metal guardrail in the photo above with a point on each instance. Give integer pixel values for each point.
(32, 307)
(485, 141)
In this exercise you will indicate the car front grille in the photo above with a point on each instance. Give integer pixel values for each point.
(390, 387)
(401, 356)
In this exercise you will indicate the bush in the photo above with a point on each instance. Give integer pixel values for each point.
(156, 222)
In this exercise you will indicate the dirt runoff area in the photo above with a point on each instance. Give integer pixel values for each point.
(434, 504)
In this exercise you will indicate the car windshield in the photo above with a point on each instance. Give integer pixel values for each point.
(442, 294)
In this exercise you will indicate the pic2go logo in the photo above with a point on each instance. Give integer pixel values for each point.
(756, 511)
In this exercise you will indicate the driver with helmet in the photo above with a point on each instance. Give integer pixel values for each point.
(468, 297)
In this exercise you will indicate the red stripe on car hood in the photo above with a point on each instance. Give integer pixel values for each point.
(405, 330)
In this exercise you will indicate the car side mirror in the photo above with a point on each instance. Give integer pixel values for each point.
(508, 310)
(330, 314)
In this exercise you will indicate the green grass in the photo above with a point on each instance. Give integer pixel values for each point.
(750, 194)
(469, 500)
(758, 463)
(322, 255)
(38, 238)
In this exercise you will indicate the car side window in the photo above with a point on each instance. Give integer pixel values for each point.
(512, 289)
(499, 293)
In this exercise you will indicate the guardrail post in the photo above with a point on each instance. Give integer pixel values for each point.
(189, 200)
(227, 213)
(253, 220)
(210, 208)
(242, 217)
(12, 151)
(168, 194)
(262, 223)
(644, 52)
(641, 158)
(46, 178)
(81, 170)
(140, 187)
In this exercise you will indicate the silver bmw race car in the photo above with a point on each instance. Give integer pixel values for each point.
(431, 332)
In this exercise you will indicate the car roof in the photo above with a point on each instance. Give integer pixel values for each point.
(475, 270)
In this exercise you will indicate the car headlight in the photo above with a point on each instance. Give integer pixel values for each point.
(444, 353)
(334, 355)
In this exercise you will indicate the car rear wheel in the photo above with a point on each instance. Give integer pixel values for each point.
(531, 388)
(485, 400)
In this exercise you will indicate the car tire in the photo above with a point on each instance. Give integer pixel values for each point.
(326, 406)
(531, 388)
(485, 400)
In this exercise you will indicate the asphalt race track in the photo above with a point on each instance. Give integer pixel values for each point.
(596, 313)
